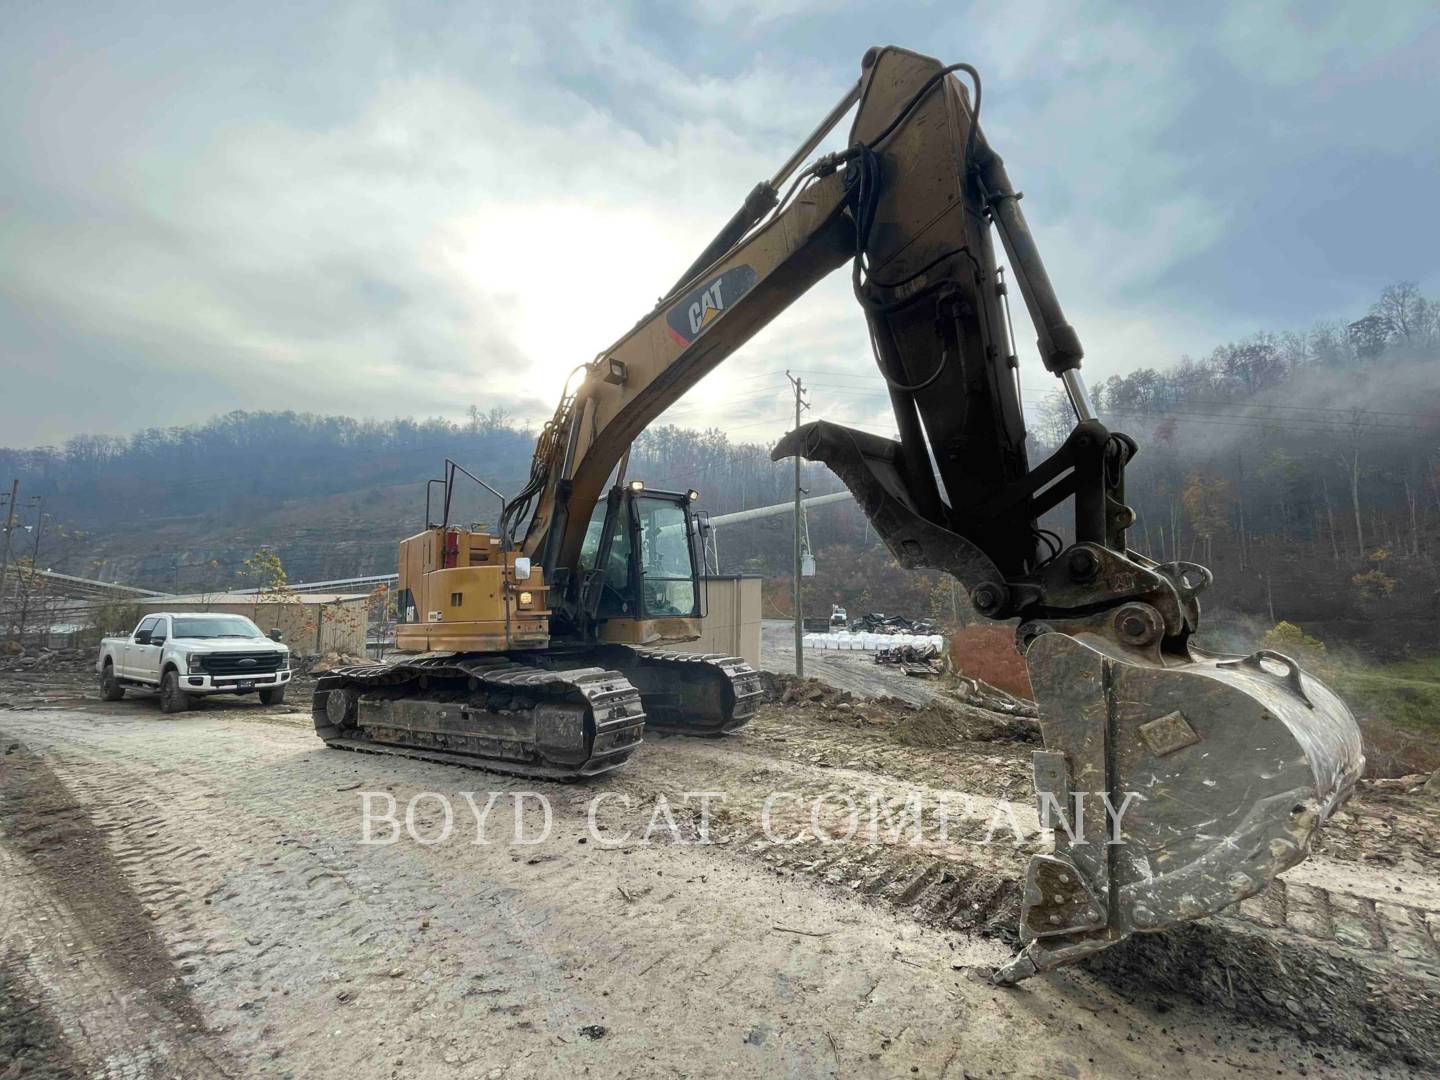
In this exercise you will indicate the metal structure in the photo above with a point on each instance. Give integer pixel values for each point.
(799, 511)
(352, 585)
(81, 588)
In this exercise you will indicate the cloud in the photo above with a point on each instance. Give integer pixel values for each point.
(1300, 43)
(391, 209)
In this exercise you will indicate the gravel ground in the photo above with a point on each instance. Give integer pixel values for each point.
(189, 895)
(853, 671)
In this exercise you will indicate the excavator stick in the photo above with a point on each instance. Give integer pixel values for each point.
(1178, 783)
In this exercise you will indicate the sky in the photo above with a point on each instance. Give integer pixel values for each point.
(403, 209)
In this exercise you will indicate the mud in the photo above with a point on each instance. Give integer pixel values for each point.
(32, 1043)
(1331, 995)
(950, 725)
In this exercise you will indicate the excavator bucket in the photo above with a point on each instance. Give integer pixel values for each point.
(1175, 788)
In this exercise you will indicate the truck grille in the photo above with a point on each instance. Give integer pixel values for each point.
(242, 663)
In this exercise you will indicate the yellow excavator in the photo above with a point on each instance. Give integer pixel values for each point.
(531, 647)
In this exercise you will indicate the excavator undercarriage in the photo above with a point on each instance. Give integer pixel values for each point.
(559, 716)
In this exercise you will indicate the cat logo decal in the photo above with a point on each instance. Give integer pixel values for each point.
(697, 309)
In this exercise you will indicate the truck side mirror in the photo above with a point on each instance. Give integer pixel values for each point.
(275, 634)
(142, 637)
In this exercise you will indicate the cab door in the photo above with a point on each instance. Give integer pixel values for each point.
(666, 568)
(129, 650)
(143, 655)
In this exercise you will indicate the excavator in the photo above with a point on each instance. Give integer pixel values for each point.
(1175, 782)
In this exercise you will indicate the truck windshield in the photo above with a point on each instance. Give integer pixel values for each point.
(216, 626)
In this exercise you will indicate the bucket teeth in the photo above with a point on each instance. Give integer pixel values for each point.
(1058, 901)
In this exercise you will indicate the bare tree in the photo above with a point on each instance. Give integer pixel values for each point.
(1358, 424)
(1410, 318)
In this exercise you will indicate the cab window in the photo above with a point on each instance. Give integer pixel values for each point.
(666, 558)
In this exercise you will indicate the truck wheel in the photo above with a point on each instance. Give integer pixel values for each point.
(110, 688)
(172, 698)
(273, 695)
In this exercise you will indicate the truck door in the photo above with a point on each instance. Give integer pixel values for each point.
(158, 637)
(139, 652)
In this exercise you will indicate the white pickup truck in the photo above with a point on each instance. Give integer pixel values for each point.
(193, 653)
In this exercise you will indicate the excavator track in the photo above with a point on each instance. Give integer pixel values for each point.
(702, 694)
(503, 712)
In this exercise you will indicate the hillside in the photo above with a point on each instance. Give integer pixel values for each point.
(1303, 467)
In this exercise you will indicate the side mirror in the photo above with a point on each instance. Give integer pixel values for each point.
(142, 637)
(276, 635)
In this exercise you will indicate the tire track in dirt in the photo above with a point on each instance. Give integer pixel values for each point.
(300, 877)
(80, 944)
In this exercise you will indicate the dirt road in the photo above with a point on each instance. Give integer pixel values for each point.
(191, 896)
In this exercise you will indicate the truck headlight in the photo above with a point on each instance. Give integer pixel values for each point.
(526, 597)
(195, 661)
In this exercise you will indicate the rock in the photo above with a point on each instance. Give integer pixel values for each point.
(1432, 786)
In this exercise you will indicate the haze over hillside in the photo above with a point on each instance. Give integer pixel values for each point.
(1303, 467)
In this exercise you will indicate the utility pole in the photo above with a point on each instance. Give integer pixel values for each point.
(9, 531)
(799, 615)
(38, 502)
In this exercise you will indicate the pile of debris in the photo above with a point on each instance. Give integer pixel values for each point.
(919, 661)
(877, 622)
(319, 665)
(782, 688)
(947, 725)
(935, 725)
(16, 657)
(982, 695)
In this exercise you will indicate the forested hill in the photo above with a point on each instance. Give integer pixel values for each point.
(182, 508)
(1304, 467)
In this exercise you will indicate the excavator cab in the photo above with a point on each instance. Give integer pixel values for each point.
(641, 575)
